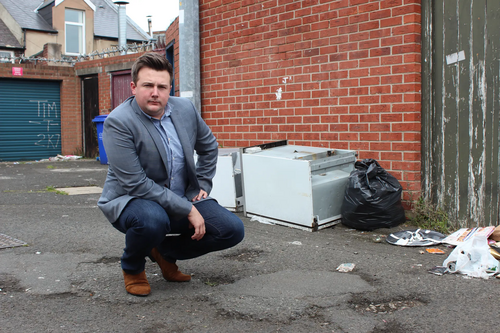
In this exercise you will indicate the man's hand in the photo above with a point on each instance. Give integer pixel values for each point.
(197, 222)
(201, 195)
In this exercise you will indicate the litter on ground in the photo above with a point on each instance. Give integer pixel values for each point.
(347, 267)
(415, 237)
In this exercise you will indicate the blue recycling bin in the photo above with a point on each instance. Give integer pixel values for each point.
(99, 122)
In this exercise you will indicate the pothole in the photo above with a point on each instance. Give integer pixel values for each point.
(237, 315)
(247, 255)
(385, 306)
(108, 260)
(8, 283)
(391, 306)
(390, 327)
(214, 281)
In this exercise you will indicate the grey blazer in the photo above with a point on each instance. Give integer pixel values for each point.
(138, 161)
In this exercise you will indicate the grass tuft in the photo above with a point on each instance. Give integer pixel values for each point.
(54, 190)
(426, 215)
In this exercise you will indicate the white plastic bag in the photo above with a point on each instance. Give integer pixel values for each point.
(472, 258)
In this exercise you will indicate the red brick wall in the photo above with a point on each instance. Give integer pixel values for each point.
(172, 34)
(71, 103)
(71, 111)
(71, 123)
(105, 101)
(349, 72)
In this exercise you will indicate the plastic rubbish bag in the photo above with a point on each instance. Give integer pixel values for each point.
(472, 258)
(372, 198)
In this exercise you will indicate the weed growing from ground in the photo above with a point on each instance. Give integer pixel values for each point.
(53, 189)
(426, 215)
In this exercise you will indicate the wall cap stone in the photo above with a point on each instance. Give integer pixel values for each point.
(88, 71)
(119, 66)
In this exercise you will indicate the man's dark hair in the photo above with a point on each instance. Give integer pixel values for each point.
(154, 61)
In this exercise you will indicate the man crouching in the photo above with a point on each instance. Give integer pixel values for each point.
(153, 187)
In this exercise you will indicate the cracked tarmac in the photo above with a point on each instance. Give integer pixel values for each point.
(68, 277)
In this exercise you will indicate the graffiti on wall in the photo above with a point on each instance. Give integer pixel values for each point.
(47, 119)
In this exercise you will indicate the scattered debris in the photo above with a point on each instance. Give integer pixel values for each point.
(347, 267)
(435, 251)
(415, 237)
(438, 270)
(392, 306)
(62, 158)
(495, 250)
(465, 234)
(495, 235)
(262, 220)
(472, 258)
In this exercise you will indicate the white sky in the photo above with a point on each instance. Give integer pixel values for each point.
(162, 12)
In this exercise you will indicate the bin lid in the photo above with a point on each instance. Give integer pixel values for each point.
(100, 118)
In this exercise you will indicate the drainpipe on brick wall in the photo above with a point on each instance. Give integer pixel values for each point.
(189, 51)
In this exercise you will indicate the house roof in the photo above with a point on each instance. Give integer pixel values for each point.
(7, 39)
(23, 11)
(106, 22)
(105, 18)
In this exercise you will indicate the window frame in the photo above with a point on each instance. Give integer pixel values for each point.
(11, 56)
(81, 25)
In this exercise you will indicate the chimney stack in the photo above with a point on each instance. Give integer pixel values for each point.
(150, 25)
(122, 25)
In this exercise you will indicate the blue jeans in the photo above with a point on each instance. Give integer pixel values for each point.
(145, 224)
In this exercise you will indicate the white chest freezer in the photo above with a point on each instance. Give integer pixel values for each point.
(226, 184)
(297, 186)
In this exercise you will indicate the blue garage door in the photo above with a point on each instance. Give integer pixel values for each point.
(30, 119)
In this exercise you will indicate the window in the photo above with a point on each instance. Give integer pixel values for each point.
(6, 56)
(75, 31)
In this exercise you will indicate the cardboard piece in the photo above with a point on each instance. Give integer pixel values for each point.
(495, 235)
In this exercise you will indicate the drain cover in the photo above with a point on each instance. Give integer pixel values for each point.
(7, 241)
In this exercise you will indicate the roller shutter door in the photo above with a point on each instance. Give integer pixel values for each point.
(30, 119)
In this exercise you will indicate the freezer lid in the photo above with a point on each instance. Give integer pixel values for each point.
(293, 152)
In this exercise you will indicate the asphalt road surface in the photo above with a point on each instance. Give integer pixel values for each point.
(67, 278)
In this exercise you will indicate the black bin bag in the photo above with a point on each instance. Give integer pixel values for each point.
(372, 198)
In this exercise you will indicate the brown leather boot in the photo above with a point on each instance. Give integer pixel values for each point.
(169, 270)
(137, 284)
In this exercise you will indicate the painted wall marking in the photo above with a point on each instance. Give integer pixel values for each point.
(45, 109)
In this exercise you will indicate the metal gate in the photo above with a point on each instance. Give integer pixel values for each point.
(30, 119)
(460, 108)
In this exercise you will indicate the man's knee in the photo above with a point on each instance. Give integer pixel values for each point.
(237, 230)
(149, 218)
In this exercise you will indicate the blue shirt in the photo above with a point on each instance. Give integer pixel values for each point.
(175, 154)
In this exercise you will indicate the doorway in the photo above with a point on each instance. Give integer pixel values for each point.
(90, 92)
